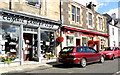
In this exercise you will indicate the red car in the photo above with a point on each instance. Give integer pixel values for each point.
(111, 52)
(79, 55)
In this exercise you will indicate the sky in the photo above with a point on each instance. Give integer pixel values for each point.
(103, 6)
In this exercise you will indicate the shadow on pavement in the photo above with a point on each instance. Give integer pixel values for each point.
(60, 65)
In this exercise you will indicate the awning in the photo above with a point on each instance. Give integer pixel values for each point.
(84, 31)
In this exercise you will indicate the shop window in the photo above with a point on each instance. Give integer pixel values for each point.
(90, 38)
(9, 40)
(102, 43)
(84, 41)
(69, 40)
(89, 19)
(73, 13)
(32, 2)
(48, 44)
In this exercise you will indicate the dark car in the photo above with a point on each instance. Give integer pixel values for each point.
(79, 55)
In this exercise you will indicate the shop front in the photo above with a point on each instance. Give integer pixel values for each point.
(26, 37)
(78, 37)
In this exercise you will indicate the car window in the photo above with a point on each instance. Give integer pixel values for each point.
(81, 49)
(107, 49)
(118, 48)
(67, 49)
(91, 50)
(115, 48)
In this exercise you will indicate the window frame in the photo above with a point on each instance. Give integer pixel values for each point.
(100, 22)
(73, 13)
(112, 31)
(90, 19)
(77, 15)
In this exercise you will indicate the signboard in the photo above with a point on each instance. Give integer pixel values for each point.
(27, 22)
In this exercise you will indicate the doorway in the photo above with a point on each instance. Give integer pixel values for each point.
(77, 42)
(30, 51)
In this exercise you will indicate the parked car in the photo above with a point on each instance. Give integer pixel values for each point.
(111, 52)
(79, 55)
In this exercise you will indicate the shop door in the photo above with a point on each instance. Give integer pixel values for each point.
(77, 42)
(30, 51)
(28, 43)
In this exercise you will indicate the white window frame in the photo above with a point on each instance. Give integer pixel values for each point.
(78, 15)
(113, 31)
(100, 22)
(90, 19)
(73, 14)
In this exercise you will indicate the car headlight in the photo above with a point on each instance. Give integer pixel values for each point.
(109, 54)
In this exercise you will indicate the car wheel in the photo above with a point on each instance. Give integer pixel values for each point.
(113, 57)
(102, 59)
(83, 62)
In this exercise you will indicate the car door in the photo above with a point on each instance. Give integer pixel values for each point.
(89, 55)
(95, 54)
(116, 51)
(119, 52)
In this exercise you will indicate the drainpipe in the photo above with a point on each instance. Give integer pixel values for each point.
(10, 5)
(60, 22)
(108, 34)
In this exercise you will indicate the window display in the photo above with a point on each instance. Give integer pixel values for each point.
(9, 40)
(47, 44)
(70, 41)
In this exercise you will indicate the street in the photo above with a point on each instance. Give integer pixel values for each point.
(109, 66)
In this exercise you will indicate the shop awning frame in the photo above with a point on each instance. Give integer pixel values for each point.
(85, 31)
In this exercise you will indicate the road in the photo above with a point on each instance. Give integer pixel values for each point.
(109, 66)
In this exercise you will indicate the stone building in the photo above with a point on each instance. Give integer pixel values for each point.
(29, 29)
(46, 8)
(81, 24)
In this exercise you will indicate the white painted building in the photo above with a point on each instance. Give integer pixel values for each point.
(118, 25)
(113, 29)
(113, 32)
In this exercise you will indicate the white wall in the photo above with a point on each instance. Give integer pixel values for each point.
(113, 37)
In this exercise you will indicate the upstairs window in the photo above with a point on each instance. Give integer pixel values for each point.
(78, 14)
(89, 19)
(32, 2)
(100, 23)
(113, 31)
(73, 13)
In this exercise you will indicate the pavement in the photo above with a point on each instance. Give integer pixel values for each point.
(26, 67)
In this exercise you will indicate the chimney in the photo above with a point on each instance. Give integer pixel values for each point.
(90, 6)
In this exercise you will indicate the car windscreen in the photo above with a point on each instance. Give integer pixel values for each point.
(107, 49)
(67, 49)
